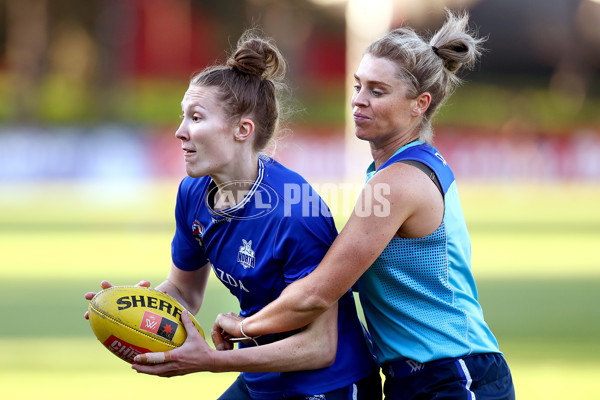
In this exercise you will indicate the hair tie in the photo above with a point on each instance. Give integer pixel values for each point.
(435, 50)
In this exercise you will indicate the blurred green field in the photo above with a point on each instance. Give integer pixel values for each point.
(533, 255)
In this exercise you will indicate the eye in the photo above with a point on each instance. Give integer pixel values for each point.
(357, 88)
(376, 93)
(181, 116)
(196, 118)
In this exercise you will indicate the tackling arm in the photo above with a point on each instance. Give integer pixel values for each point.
(381, 209)
(314, 347)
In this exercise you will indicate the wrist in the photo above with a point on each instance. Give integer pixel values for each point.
(242, 330)
(218, 362)
(245, 335)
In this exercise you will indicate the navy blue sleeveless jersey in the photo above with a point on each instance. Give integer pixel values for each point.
(274, 234)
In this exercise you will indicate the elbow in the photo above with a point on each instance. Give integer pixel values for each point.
(326, 352)
(323, 357)
(329, 357)
(316, 303)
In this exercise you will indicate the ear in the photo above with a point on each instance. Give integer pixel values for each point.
(420, 104)
(245, 130)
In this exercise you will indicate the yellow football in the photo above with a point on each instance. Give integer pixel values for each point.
(130, 320)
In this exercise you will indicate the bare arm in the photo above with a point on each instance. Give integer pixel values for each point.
(398, 199)
(314, 347)
(188, 287)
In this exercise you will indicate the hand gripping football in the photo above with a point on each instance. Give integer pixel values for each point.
(131, 320)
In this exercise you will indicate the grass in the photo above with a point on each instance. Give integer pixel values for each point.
(533, 256)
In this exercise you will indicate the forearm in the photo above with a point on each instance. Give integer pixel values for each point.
(294, 309)
(267, 358)
(174, 292)
(307, 298)
(187, 287)
(312, 348)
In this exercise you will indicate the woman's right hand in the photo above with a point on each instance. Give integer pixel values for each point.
(105, 285)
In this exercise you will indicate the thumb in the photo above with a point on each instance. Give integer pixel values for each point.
(187, 322)
(189, 325)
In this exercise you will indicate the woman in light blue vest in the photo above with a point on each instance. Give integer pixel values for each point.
(410, 252)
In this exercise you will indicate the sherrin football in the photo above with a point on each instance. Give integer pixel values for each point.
(131, 320)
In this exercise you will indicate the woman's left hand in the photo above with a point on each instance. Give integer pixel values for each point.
(194, 355)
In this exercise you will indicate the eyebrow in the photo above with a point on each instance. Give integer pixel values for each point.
(192, 105)
(372, 82)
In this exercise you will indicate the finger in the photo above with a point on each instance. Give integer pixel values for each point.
(153, 358)
(105, 285)
(162, 370)
(190, 327)
(188, 324)
(86, 315)
(216, 334)
(144, 283)
(218, 340)
(89, 295)
(229, 323)
(185, 318)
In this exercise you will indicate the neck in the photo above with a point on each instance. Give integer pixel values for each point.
(235, 182)
(381, 152)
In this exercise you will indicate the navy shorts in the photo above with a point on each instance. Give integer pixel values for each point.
(368, 388)
(475, 377)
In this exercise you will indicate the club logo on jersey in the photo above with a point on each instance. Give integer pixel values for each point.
(246, 254)
(198, 232)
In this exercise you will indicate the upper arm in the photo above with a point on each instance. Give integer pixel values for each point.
(394, 199)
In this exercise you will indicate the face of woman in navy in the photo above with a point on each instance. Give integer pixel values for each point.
(206, 134)
(382, 109)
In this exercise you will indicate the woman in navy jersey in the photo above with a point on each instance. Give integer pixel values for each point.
(244, 215)
(411, 256)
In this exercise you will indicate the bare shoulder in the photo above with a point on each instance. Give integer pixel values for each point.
(405, 181)
(413, 196)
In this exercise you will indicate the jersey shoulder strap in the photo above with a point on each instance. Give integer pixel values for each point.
(427, 171)
(427, 159)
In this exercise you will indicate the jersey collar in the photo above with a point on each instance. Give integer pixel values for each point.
(232, 210)
(371, 171)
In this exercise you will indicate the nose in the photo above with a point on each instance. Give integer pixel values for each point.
(181, 132)
(359, 99)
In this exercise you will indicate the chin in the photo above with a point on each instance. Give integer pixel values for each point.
(192, 173)
(360, 134)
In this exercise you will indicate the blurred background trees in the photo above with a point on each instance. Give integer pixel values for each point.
(118, 68)
(68, 61)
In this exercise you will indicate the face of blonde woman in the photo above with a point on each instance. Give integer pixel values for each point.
(380, 107)
(206, 136)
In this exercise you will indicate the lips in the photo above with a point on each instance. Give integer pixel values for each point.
(188, 152)
(358, 117)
